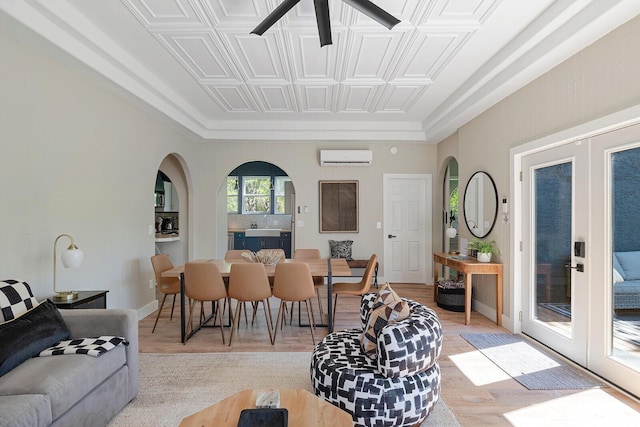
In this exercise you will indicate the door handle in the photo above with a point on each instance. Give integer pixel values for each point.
(577, 267)
(391, 236)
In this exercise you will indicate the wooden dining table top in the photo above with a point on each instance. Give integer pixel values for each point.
(318, 267)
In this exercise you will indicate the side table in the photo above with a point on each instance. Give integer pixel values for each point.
(86, 299)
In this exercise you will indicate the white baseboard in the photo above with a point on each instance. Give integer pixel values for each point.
(147, 309)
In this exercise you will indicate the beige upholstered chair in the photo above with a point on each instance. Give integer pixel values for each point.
(248, 282)
(293, 282)
(234, 255)
(203, 282)
(357, 289)
(166, 285)
(318, 281)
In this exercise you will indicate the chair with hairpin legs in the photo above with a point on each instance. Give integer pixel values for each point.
(166, 285)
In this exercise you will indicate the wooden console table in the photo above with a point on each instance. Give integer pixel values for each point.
(469, 266)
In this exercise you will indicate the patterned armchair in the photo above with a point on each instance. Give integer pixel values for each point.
(399, 386)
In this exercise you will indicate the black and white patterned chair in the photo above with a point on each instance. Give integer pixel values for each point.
(398, 388)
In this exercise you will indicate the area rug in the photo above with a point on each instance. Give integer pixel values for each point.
(530, 366)
(174, 386)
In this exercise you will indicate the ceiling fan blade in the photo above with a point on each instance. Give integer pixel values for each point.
(274, 16)
(374, 12)
(324, 24)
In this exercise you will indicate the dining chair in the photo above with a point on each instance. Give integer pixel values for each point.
(166, 285)
(358, 288)
(233, 255)
(203, 282)
(293, 283)
(318, 281)
(248, 282)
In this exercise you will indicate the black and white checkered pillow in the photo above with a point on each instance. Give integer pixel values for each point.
(96, 346)
(16, 299)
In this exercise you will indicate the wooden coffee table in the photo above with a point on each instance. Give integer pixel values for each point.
(304, 408)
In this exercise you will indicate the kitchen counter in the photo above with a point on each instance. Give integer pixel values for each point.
(242, 230)
(173, 236)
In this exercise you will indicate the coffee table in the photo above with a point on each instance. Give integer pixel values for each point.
(305, 409)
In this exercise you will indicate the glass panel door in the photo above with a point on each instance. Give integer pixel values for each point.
(615, 349)
(555, 291)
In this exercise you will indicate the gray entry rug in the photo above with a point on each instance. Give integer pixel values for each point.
(174, 386)
(530, 366)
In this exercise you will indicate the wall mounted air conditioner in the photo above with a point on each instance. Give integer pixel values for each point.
(346, 157)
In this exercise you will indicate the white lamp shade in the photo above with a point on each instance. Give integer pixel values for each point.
(451, 232)
(72, 258)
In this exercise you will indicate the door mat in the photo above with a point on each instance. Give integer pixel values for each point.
(530, 366)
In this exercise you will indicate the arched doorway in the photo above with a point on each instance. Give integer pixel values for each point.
(171, 211)
(260, 196)
(450, 198)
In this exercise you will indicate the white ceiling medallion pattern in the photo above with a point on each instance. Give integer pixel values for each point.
(196, 63)
(368, 69)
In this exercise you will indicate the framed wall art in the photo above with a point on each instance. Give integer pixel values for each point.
(339, 206)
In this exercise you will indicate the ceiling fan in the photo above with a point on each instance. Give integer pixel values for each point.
(322, 16)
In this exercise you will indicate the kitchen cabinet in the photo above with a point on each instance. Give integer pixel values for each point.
(285, 243)
(254, 244)
(239, 241)
(171, 202)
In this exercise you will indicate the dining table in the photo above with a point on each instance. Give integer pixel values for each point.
(329, 268)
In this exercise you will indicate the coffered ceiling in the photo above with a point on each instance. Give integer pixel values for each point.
(196, 63)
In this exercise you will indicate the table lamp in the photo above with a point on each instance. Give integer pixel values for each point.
(71, 258)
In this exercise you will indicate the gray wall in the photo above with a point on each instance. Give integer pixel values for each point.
(82, 160)
(600, 80)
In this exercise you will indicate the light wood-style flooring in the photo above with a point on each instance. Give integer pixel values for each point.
(476, 391)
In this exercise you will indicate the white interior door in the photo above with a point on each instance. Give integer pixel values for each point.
(407, 228)
(555, 200)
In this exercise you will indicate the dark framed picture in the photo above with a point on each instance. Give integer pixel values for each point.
(339, 206)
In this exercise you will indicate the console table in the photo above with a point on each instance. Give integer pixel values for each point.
(86, 299)
(469, 266)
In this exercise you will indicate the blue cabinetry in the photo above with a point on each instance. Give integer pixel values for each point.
(254, 244)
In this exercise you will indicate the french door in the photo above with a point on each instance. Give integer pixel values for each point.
(581, 253)
(616, 223)
(555, 197)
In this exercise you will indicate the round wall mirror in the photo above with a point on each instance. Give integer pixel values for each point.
(480, 204)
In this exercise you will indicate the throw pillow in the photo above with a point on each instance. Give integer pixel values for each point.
(29, 334)
(341, 249)
(387, 308)
(16, 299)
(617, 277)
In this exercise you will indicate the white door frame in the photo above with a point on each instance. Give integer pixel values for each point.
(428, 215)
(601, 125)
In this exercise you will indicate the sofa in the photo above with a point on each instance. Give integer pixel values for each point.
(626, 280)
(66, 389)
(385, 373)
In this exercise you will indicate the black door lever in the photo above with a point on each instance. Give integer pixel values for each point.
(577, 267)
(390, 236)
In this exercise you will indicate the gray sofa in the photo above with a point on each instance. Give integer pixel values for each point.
(626, 280)
(75, 389)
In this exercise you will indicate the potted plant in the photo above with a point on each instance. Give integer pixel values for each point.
(484, 248)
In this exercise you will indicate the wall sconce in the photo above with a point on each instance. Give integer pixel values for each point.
(451, 232)
(71, 258)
